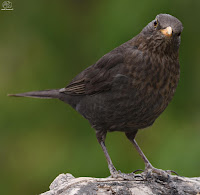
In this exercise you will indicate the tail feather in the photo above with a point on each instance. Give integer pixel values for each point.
(46, 94)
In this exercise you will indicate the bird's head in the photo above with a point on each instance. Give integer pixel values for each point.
(164, 32)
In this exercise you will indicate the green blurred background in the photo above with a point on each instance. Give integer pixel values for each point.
(44, 44)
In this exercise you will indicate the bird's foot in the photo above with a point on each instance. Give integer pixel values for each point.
(119, 175)
(127, 176)
(153, 170)
(159, 173)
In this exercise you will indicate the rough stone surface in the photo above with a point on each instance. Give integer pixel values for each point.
(139, 184)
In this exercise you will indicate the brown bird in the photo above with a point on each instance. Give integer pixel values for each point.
(129, 87)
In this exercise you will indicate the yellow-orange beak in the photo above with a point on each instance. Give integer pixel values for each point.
(167, 31)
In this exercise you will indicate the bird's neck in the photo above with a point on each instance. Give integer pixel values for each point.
(154, 45)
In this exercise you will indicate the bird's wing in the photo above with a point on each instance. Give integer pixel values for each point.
(96, 78)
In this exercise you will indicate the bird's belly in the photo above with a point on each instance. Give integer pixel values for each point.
(121, 112)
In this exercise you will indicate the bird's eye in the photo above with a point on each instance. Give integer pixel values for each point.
(155, 23)
(179, 34)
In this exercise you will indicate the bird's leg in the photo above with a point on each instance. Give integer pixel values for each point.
(131, 137)
(101, 139)
(148, 165)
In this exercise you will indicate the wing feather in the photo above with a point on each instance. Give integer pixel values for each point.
(95, 78)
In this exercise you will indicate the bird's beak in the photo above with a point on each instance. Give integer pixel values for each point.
(167, 31)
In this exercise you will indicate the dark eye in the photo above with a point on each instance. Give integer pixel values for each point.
(155, 23)
(179, 34)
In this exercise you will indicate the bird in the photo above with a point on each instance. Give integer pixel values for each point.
(128, 88)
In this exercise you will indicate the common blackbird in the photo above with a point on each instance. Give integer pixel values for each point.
(129, 87)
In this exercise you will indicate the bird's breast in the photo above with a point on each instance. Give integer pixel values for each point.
(154, 74)
(155, 81)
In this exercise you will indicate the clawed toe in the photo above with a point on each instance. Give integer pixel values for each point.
(152, 170)
(158, 173)
(172, 172)
(161, 172)
(124, 176)
(138, 170)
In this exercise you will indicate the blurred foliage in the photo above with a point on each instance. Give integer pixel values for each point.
(44, 44)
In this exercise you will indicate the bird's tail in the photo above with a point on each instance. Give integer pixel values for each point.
(46, 94)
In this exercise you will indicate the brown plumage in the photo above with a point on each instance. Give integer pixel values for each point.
(129, 87)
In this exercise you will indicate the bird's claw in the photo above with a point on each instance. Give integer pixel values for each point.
(125, 176)
(138, 170)
(158, 173)
(172, 172)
